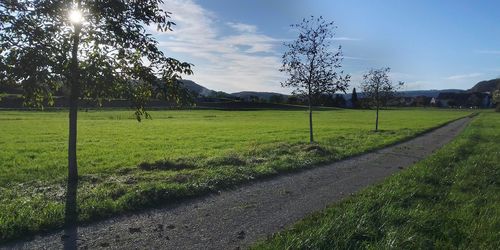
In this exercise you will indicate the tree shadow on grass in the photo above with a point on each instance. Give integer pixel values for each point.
(71, 216)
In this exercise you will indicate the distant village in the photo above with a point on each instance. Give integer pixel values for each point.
(452, 100)
(479, 96)
(443, 99)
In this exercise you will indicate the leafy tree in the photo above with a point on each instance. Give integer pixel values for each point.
(339, 101)
(94, 49)
(354, 98)
(422, 101)
(473, 100)
(293, 99)
(496, 99)
(253, 98)
(312, 65)
(276, 99)
(452, 103)
(378, 89)
(323, 99)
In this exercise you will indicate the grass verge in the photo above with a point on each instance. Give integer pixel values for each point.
(126, 166)
(448, 201)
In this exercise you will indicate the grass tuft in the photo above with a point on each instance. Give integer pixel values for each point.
(166, 165)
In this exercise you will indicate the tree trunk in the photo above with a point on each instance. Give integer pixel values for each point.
(73, 107)
(311, 137)
(377, 102)
(72, 163)
(71, 216)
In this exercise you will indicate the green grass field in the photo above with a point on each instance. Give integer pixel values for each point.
(448, 201)
(126, 165)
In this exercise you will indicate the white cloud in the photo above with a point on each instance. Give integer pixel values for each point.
(344, 38)
(464, 76)
(242, 60)
(416, 85)
(244, 28)
(490, 52)
(255, 42)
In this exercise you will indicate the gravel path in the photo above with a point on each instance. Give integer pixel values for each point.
(239, 217)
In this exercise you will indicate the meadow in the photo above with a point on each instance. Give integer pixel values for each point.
(447, 201)
(125, 165)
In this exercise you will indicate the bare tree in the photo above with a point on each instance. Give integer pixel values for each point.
(313, 64)
(378, 89)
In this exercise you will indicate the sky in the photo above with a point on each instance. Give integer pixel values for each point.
(237, 45)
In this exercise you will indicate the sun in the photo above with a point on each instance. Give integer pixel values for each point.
(75, 16)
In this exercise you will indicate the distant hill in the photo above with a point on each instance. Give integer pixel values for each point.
(414, 93)
(267, 95)
(197, 88)
(486, 86)
(428, 93)
(260, 95)
(208, 95)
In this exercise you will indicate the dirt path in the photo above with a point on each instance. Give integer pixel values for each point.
(239, 217)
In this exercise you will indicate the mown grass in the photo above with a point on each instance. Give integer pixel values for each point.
(126, 165)
(448, 201)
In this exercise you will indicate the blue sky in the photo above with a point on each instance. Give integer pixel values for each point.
(237, 45)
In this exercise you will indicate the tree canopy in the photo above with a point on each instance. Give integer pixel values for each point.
(117, 55)
(496, 98)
